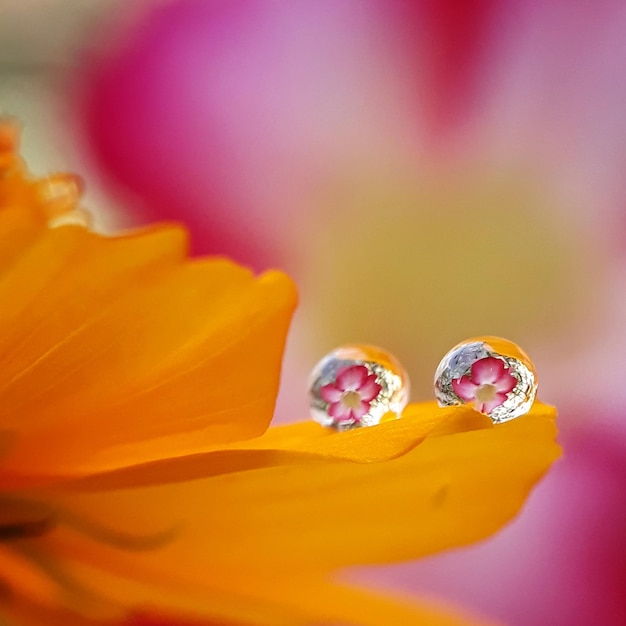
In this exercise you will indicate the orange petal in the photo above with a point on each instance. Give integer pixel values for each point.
(293, 443)
(20, 611)
(31, 597)
(19, 229)
(120, 352)
(450, 490)
(159, 618)
(304, 442)
(9, 144)
(244, 596)
(368, 445)
(46, 198)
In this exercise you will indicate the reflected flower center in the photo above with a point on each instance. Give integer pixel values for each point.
(486, 393)
(351, 399)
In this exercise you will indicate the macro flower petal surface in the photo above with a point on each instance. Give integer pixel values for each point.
(119, 350)
(137, 473)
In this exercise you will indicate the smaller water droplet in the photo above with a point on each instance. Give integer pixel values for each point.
(357, 385)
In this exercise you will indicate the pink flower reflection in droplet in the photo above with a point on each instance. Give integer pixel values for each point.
(350, 396)
(487, 385)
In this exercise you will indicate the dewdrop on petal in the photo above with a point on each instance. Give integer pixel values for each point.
(493, 374)
(357, 385)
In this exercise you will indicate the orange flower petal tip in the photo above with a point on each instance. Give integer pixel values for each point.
(121, 349)
(9, 136)
(9, 143)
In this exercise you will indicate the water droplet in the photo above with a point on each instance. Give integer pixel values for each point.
(493, 374)
(357, 385)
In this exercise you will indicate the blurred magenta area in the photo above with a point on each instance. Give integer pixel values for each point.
(427, 171)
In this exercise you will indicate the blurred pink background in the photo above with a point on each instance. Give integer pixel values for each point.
(427, 171)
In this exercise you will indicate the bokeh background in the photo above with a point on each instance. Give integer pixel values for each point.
(426, 170)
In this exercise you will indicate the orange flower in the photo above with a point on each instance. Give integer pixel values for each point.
(137, 474)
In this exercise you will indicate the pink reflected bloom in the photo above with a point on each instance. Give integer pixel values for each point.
(351, 395)
(487, 385)
(230, 114)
